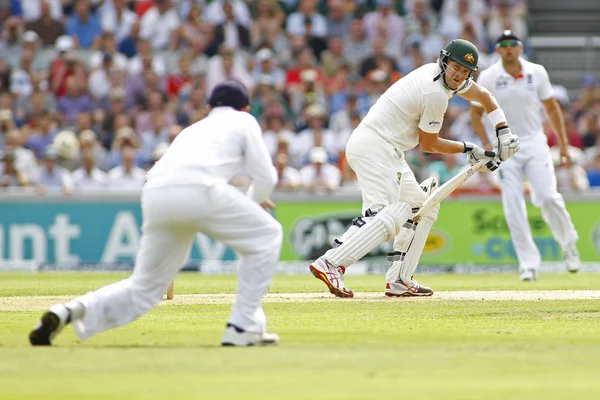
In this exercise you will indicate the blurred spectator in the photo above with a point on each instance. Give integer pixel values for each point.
(266, 64)
(42, 135)
(24, 159)
(307, 15)
(66, 145)
(464, 14)
(156, 134)
(89, 139)
(84, 26)
(594, 172)
(268, 16)
(88, 178)
(506, 16)
(215, 14)
(333, 57)
(378, 58)
(74, 101)
(355, 44)
(385, 13)
(275, 130)
(158, 24)
(126, 176)
(446, 167)
(320, 174)
(47, 22)
(570, 178)
(338, 19)
(67, 65)
(108, 51)
(227, 65)
(126, 136)
(118, 20)
(591, 129)
(10, 175)
(155, 106)
(182, 79)
(430, 42)
(419, 11)
(315, 135)
(289, 178)
(144, 58)
(415, 59)
(589, 93)
(34, 10)
(231, 33)
(51, 177)
(10, 43)
(341, 120)
(186, 110)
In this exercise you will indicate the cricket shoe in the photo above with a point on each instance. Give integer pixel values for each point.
(572, 260)
(51, 324)
(236, 336)
(412, 289)
(528, 275)
(332, 276)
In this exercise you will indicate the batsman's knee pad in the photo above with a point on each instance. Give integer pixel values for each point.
(393, 217)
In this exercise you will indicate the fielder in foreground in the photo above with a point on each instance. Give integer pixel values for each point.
(410, 112)
(521, 88)
(187, 192)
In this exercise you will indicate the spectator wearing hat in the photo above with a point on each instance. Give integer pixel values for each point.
(84, 26)
(315, 135)
(320, 175)
(289, 178)
(42, 135)
(89, 139)
(265, 63)
(126, 136)
(51, 177)
(89, 178)
(127, 175)
(7, 124)
(46, 24)
(118, 20)
(10, 174)
(158, 23)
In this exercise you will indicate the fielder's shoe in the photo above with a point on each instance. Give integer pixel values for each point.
(332, 276)
(412, 289)
(52, 322)
(572, 260)
(236, 336)
(528, 275)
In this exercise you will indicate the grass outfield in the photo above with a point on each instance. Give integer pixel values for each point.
(331, 348)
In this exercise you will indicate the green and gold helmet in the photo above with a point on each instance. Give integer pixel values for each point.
(463, 52)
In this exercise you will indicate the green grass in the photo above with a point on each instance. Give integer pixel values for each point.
(331, 349)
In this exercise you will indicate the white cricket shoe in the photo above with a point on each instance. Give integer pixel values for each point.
(572, 260)
(528, 275)
(236, 336)
(50, 325)
(411, 289)
(332, 276)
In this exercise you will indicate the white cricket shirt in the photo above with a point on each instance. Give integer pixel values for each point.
(415, 101)
(215, 149)
(520, 98)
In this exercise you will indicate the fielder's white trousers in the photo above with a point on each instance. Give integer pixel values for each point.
(171, 217)
(534, 162)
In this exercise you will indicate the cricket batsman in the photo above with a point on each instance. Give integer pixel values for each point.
(410, 112)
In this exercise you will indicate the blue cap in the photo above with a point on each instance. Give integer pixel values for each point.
(588, 80)
(230, 93)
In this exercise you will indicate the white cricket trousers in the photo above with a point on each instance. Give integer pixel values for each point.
(534, 162)
(172, 216)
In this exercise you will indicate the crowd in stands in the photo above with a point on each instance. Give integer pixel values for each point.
(93, 91)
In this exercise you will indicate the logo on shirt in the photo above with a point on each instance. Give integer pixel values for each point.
(433, 123)
(501, 83)
(469, 58)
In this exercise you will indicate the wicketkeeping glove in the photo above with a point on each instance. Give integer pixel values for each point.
(507, 144)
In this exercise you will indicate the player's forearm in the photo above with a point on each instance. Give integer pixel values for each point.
(558, 124)
(443, 146)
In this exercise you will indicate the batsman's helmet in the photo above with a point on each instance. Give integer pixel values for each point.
(462, 51)
(230, 93)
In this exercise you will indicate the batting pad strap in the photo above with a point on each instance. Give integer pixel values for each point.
(497, 117)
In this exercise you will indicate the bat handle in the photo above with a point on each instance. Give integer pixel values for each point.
(490, 153)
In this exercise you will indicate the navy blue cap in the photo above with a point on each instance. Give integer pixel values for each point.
(507, 35)
(230, 93)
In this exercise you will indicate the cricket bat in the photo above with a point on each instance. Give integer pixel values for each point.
(444, 191)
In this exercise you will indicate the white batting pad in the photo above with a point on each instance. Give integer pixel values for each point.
(382, 227)
(411, 260)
